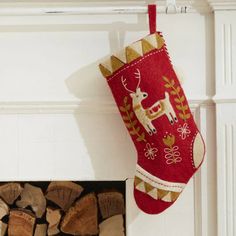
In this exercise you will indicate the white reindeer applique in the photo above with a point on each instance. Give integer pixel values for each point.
(158, 109)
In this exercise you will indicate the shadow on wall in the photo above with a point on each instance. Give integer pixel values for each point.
(106, 139)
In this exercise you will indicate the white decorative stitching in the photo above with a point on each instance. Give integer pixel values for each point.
(128, 66)
(158, 183)
(191, 150)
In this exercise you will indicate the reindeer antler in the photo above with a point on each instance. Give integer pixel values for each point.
(138, 76)
(123, 80)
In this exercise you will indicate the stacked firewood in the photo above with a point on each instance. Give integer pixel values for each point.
(62, 208)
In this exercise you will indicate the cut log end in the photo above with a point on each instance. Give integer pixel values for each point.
(81, 219)
(110, 204)
(21, 222)
(53, 218)
(4, 209)
(10, 192)
(33, 196)
(40, 230)
(3, 228)
(63, 193)
(113, 226)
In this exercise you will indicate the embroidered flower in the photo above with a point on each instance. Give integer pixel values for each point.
(169, 140)
(150, 152)
(184, 131)
(172, 153)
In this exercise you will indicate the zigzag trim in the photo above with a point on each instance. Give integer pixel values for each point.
(156, 187)
(130, 53)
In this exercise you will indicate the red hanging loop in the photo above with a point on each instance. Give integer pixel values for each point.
(152, 12)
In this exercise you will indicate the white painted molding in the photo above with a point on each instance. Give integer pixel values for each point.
(40, 8)
(226, 171)
(85, 106)
(225, 114)
(220, 5)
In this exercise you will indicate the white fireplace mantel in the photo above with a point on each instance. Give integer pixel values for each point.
(221, 5)
(56, 108)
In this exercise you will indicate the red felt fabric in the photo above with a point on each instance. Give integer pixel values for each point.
(154, 67)
(152, 18)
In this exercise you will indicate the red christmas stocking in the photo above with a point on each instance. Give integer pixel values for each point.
(155, 111)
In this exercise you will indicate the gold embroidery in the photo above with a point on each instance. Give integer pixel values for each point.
(172, 153)
(131, 122)
(180, 99)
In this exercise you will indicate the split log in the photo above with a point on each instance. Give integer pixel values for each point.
(113, 226)
(3, 228)
(53, 218)
(81, 219)
(33, 196)
(41, 230)
(21, 222)
(110, 204)
(63, 193)
(4, 209)
(10, 192)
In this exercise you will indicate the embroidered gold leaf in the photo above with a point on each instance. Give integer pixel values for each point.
(141, 137)
(132, 132)
(182, 116)
(165, 79)
(130, 123)
(182, 108)
(179, 107)
(128, 107)
(138, 129)
(131, 114)
(125, 117)
(179, 99)
(187, 116)
(122, 109)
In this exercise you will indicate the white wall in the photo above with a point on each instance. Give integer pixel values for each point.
(58, 119)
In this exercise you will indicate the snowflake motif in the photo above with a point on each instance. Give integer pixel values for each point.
(184, 131)
(150, 152)
(172, 155)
